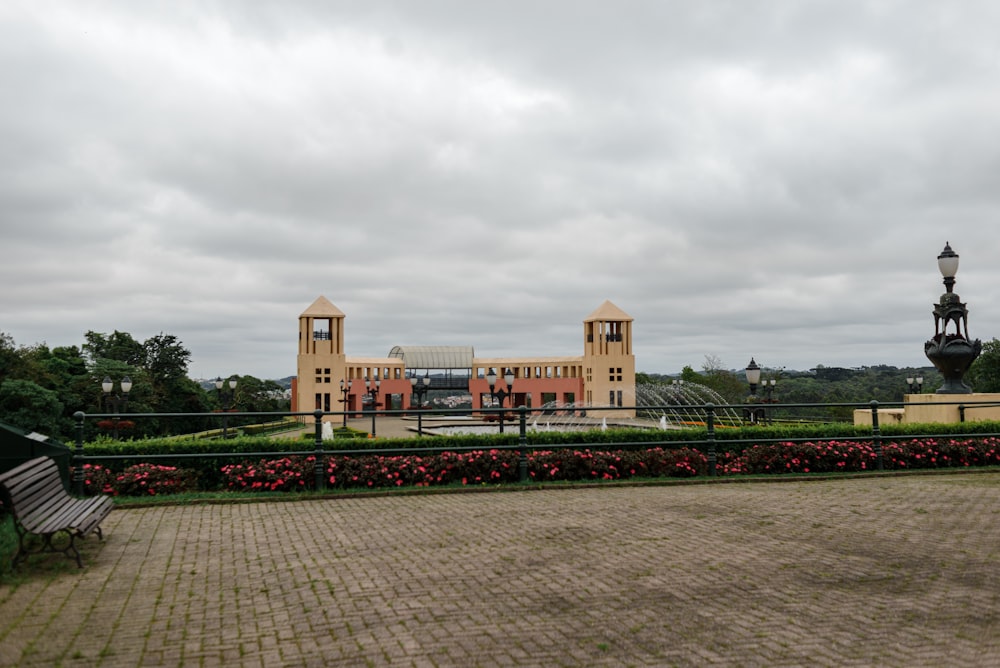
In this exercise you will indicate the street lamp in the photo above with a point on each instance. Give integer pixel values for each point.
(753, 379)
(753, 376)
(372, 393)
(114, 402)
(345, 388)
(226, 391)
(915, 385)
(501, 394)
(768, 386)
(951, 353)
(420, 388)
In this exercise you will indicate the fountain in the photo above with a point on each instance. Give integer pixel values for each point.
(658, 406)
(679, 404)
(674, 406)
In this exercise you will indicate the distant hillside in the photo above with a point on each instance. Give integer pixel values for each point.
(209, 383)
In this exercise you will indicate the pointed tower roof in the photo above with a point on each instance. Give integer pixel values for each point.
(322, 308)
(608, 311)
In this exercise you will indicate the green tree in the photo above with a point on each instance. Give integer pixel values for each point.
(725, 382)
(256, 395)
(30, 406)
(117, 346)
(984, 375)
(689, 375)
(158, 368)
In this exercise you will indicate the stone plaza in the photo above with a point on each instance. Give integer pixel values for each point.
(879, 570)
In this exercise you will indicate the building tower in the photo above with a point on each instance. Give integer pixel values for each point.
(608, 361)
(321, 361)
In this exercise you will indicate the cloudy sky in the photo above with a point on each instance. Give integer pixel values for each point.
(771, 179)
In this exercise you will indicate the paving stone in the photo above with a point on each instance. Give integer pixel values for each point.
(897, 571)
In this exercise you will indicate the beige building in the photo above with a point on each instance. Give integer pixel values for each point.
(328, 380)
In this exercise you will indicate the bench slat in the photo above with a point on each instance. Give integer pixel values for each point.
(59, 517)
(39, 466)
(37, 496)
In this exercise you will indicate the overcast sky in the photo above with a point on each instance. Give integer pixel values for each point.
(771, 179)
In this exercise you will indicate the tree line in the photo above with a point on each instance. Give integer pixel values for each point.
(833, 385)
(41, 387)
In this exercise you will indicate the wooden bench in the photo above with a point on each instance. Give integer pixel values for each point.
(34, 494)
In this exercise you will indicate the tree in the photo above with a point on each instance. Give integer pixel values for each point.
(256, 395)
(689, 375)
(984, 375)
(723, 381)
(118, 346)
(15, 361)
(28, 405)
(164, 358)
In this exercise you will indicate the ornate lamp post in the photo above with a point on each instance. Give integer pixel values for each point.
(915, 385)
(114, 402)
(372, 392)
(420, 387)
(501, 394)
(753, 376)
(345, 388)
(753, 379)
(951, 354)
(226, 391)
(768, 386)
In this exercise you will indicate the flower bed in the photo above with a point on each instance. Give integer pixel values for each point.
(139, 480)
(495, 466)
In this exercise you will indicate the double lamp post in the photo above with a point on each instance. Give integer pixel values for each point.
(226, 390)
(501, 394)
(116, 403)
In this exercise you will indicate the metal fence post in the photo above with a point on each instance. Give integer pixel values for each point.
(522, 440)
(710, 437)
(78, 458)
(877, 437)
(318, 464)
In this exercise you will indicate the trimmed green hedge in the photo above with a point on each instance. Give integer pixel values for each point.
(356, 440)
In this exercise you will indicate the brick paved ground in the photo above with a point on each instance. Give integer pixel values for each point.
(901, 571)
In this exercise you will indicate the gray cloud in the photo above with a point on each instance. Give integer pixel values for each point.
(771, 179)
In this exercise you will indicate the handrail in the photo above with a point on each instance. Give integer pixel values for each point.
(709, 442)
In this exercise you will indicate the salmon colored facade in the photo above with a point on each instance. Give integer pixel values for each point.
(603, 376)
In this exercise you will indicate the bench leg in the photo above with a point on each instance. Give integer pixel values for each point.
(24, 550)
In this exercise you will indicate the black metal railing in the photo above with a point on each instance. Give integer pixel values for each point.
(706, 442)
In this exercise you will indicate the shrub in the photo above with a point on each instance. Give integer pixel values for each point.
(138, 480)
(931, 453)
(822, 457)
(276, 475)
